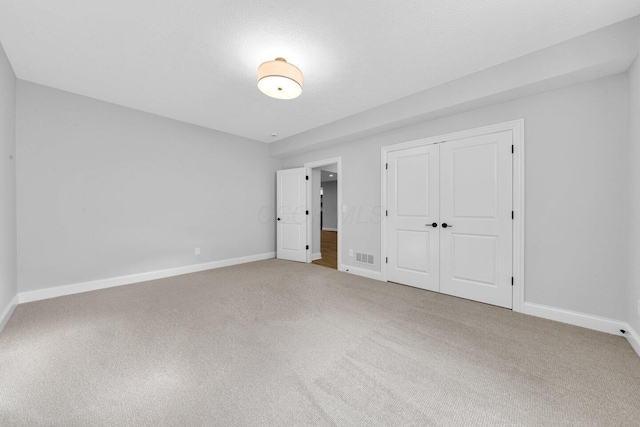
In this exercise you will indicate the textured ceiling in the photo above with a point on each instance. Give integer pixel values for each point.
(196, 60)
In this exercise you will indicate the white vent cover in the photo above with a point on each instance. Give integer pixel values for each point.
(364, 258)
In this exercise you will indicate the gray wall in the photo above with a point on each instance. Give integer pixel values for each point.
(633, 290)
(330, 204)
(576, 141)
(8, 276)
(105, 191)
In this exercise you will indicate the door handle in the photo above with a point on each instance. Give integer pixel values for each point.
(278, 219)
(434, 225)
(445, 225)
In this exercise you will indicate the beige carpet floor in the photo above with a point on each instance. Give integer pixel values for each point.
(280, 343)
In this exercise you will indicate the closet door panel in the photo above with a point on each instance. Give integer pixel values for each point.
(413, 207)
(476, 206)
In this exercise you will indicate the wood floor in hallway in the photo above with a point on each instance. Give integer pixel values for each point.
(329, 249)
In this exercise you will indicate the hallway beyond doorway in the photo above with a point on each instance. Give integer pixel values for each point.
(329, 249)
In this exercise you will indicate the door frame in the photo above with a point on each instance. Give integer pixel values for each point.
(316, 164)
(517, 129)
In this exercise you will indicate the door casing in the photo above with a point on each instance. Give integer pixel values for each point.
(517, 129)
(316, 164)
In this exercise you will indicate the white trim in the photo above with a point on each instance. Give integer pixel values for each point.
(518, 202)
(317, 164)
(371, 274)
(309, 208)
(329, 229)
(8, 311)
(633, 338)
(317, 256)
(93, 285)
(517, 128)
(584, 320)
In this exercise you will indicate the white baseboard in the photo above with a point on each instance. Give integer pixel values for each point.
(7, 312)
(329, 229)
(633, 338)
(376, 275)
(77, 288)
(316, 256)
(588, 321)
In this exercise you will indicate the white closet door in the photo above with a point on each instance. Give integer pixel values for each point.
(476, 204)
(292, 217)
(412, 201)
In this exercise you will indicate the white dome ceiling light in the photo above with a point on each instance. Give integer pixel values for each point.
(279, 79)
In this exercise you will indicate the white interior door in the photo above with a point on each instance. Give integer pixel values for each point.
(476, 204)
(413, 217)
(292, 214)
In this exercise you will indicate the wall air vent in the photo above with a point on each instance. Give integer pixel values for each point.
(364, 258)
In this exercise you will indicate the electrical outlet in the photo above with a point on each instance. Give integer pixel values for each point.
(351, 254)
(197, 251)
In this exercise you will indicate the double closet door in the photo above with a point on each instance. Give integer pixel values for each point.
(449, 225)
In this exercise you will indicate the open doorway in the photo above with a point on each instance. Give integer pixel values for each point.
(324, 221)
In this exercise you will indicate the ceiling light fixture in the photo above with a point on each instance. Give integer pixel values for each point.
(279, 79)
